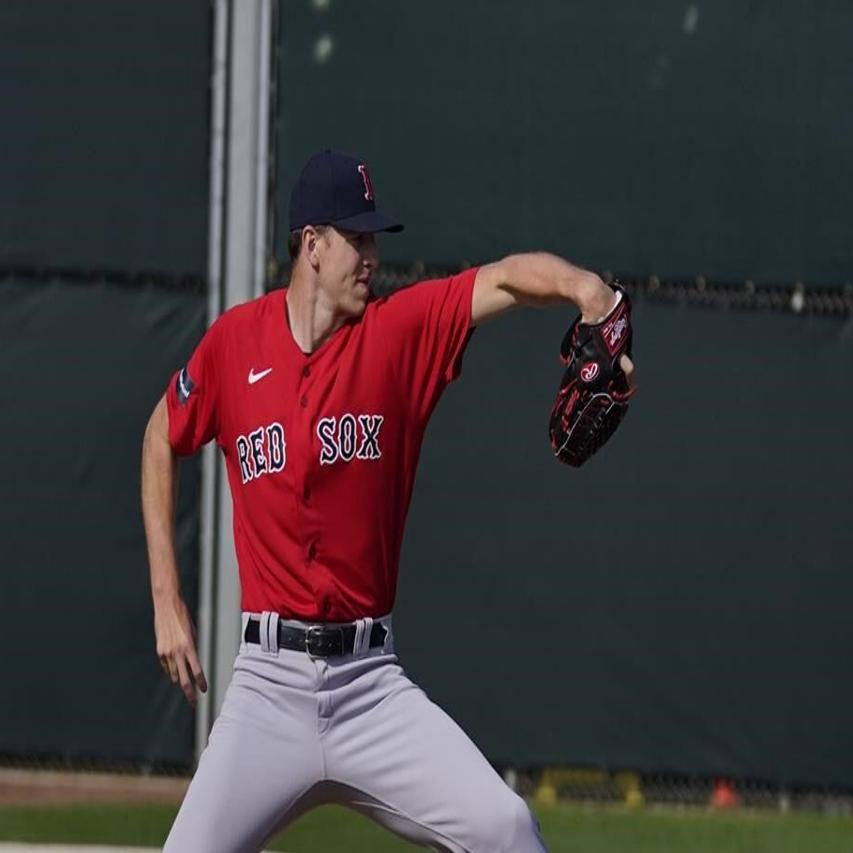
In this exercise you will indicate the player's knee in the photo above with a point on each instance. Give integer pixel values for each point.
(509, 827)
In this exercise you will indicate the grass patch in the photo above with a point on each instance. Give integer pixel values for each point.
(132, 824)
(590, 828)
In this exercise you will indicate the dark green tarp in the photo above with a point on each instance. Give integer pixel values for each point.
(81, 368)
(672, 138)
(103, 150)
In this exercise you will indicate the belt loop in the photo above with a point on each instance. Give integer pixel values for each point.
(269, 632)
(387, 624)
(359, 634)
(368, 630)
(245, 618)
(362, 640)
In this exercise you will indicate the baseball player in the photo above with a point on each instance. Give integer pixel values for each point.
(318, 396)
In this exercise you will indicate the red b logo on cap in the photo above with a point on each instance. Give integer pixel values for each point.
(368, 189)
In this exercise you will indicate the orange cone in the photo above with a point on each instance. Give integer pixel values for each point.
(723, 795)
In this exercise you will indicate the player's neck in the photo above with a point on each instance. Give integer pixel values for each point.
(312, 320)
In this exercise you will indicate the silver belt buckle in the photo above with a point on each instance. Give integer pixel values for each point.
(314, 646)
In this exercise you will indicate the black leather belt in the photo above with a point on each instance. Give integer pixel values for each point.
(319, 641)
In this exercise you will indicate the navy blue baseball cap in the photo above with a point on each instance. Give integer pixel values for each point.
(335, 189)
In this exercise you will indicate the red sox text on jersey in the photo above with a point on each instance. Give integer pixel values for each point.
(264, 450)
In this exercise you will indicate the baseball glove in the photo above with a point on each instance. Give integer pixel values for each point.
(594, 392)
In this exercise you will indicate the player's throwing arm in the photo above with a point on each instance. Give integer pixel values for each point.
(599, 378)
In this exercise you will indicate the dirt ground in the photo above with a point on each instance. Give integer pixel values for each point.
(49, 787)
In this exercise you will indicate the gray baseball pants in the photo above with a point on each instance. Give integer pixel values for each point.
(296, 732)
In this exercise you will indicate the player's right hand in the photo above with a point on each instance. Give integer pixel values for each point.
(176, 648)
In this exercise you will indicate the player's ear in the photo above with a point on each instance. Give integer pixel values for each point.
(310, 242)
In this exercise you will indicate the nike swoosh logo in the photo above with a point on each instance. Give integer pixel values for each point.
(256, 377)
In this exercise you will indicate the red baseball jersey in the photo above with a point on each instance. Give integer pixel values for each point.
(321, 448)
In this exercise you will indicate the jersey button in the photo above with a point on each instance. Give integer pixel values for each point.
(326, 606)
(306, 371)
(306, 494)
(303, 401)
(312, 551)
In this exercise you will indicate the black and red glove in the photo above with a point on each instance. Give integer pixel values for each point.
(594, 392)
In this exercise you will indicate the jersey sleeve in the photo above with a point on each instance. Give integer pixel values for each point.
(191, 398)
(427, 327)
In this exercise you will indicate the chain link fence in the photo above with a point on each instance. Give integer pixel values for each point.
(636, 790)
(699, 292)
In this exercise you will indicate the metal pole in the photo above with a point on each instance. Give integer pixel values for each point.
(263, 156)
(239, 193)
(210, 463)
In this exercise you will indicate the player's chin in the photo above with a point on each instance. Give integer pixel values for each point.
(358, 298)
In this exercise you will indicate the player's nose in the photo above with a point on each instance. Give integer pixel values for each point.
(370, 252)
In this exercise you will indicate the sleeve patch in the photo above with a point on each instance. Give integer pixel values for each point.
(184, 386)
